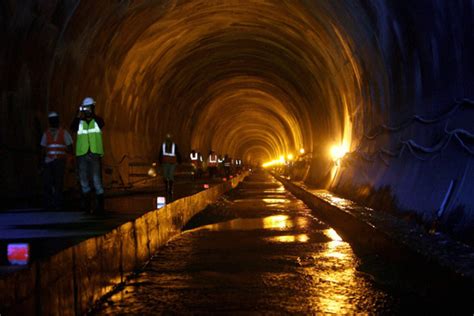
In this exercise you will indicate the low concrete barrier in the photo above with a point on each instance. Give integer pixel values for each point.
(351, 228)
(70, 282)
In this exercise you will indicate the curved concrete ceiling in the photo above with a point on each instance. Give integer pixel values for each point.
(255, 79)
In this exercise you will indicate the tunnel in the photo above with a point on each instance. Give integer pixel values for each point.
(390, 82)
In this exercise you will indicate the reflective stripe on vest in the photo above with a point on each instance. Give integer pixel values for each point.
(193, 157)
(55, 148)
(212, 160)
(173, 150)
(89, 138)
(169, 157)
(84, 130)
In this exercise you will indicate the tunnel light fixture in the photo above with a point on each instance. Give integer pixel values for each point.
(302, 151)
(152, 172)
(18, 253)
(338, 152)
(160, 202)
(290, 156)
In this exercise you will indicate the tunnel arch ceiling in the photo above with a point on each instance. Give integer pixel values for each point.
(217, 75)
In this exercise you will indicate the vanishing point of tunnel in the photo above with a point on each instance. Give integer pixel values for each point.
(371, 100)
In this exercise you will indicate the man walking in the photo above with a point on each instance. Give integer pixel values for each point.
(169, 156)
(227, 165)
(89, 152)
(196, 162)
(212, 162)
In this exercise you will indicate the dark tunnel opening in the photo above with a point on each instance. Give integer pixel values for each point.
(389, 82)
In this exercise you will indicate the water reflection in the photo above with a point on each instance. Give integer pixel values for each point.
(337, 304)
(275, 201)
(331, 233)
(334, 200)
(271, 222)
(338, 276)
(302, 222)
(340, 202)
(290, 238)
(280, 189)
(334, 246)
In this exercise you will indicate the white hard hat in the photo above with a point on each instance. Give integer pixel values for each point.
(53, 114)
(88, 101)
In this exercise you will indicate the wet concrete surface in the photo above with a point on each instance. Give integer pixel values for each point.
(271, 255)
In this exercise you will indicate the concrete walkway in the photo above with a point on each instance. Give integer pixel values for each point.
(48, 232)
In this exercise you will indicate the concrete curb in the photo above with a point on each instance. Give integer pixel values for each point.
(69, 282)
(387, 235)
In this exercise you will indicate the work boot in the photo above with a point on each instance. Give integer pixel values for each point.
(100, 204)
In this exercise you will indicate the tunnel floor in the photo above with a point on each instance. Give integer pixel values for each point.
(274, 257)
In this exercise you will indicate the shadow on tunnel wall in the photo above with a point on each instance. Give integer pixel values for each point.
(390, 79)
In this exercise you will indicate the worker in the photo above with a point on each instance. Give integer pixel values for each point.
(227, 166)
(168, 158)
(56, 143)
(89, 153)
(212, 162)
(196, 162)
(200, 166)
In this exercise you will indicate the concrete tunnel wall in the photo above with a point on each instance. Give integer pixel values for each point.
(257, 79)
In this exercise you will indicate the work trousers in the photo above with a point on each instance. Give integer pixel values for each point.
(168, 171)
(53, 176)
(212, 172)
(90, 168)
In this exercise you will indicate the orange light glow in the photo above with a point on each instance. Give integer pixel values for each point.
(338, 152)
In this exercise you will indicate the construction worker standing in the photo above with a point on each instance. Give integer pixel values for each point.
(56, 143)
(212, 162)
(89, 152)
(227, 165)
(196, 162)
(169, 156)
